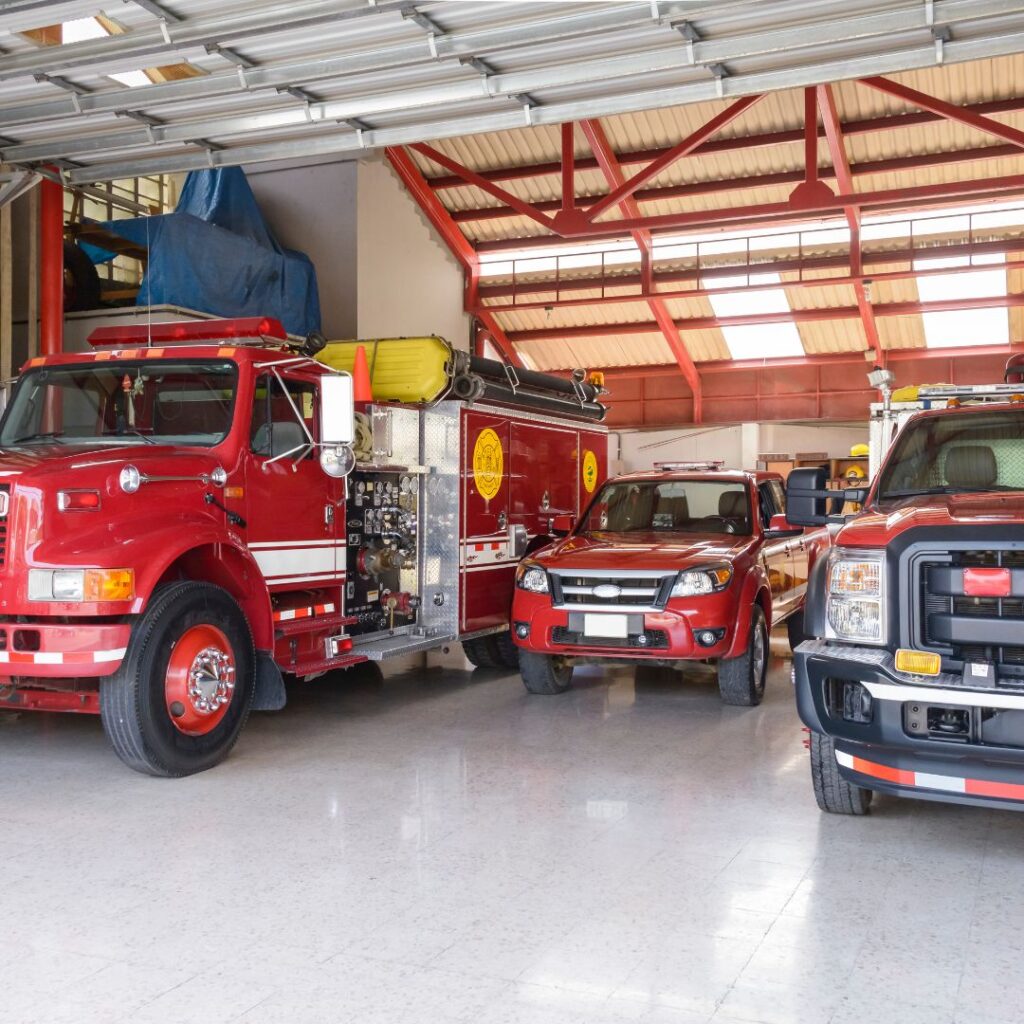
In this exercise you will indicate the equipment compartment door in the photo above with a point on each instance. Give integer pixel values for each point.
(295, 524)
(542, 476)
(593, 466)
(488, 566)
(777, 554)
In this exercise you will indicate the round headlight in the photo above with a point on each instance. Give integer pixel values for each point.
(130, 479)
(337, 460)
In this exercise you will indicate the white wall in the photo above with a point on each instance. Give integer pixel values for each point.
(737, 445)
(313, 210)
(409, 284)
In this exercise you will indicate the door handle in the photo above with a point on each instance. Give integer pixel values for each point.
(328, 515)
(502, 520)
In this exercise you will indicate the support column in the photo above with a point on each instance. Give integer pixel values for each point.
(51, 267)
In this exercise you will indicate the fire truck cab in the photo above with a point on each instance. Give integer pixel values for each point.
(688, 562)
(188, 512)
(912, 679)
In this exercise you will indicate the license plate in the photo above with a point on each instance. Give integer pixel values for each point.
(606, 625)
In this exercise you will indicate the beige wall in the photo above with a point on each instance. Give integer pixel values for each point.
(409, 284)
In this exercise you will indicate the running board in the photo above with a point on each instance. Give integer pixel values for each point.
(315, 668)
(404, 643)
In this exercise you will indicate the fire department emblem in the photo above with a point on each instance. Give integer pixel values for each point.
(589, 471)
(488, 463)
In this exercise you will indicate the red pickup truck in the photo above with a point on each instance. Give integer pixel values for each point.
(687, 562)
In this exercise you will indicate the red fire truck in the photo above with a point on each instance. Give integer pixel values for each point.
(191, 511)
(686, 562)
(912, 679)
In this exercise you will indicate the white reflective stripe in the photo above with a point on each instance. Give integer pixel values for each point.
(308, 578)
(947, 782)
(943, 695)
(485, 568)
(275, 544)
(48, 657)
(845, 759)
(293, 561)
(4, 656)
(113, 655)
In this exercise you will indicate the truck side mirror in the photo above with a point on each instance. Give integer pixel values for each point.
(337, 410)
(337, 424)
(562, 524)
(780, 527)
(810, 503)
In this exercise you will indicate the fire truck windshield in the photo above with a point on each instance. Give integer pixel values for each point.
(123, 402)
(671, 506)
(956, 453)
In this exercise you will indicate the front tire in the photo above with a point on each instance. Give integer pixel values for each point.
(834, 793)
(741, 680)
(178, 703)
(545, 673)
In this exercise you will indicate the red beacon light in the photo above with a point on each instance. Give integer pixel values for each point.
(186, 331)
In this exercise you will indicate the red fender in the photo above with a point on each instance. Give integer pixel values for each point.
(754, 590)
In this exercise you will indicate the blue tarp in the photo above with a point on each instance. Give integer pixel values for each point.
(215, 254)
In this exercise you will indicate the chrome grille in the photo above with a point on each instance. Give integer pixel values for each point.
(615, 590)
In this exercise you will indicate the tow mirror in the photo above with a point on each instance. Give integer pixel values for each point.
(337, 424)
(562, 524)
(810, 503)
(780, 527)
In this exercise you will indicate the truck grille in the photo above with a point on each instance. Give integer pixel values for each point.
(654, 640)
(640, 591)
(972, 617)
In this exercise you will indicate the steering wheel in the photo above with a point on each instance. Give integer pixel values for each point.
(728, 526)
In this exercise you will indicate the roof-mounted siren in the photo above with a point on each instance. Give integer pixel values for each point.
(246, 330)
(704, 466)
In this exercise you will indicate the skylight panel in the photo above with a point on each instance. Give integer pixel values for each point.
(962, 327)
(756, 341)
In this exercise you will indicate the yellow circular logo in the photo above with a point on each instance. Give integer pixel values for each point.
(589, 471)
(488, 463)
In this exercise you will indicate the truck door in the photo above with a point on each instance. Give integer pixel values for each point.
(797, 547)
(593, 466)
(543, 475)
(294, 526)
(777, 555)
(488, 564)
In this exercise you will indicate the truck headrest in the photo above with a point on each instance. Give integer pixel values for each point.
(971, 465)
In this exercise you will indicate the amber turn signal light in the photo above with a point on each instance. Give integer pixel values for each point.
(918, 663)
(109, 584)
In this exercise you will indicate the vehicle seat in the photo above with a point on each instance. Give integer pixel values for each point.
(971, 466)
(677, 508)
(287, 436)
(732, 506)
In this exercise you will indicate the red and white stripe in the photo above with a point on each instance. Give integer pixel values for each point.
(289, 614)
(486, 552)
(928, 780)
(61, 657)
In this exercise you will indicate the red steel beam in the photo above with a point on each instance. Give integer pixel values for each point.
(844, 178)
(652, 195)
(472, 178)
(798, 316)
(662, 278)
(890, 122)
(670, 156)
(51, 267)
(613, 373)
(568, 167)
(767, 214)
(599, 144)
(435, 211)
(963, 115)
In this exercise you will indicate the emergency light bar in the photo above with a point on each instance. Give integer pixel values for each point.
(185, 331)
(693, 467)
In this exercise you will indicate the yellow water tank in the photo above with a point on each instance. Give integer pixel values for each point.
(401, 369)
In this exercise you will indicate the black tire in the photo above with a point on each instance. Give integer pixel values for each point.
(81, 280)
(795, 629)
(741, 680)
(133, 702)
(545, 673)
(833, 793)
(482, 652)
(507, 652)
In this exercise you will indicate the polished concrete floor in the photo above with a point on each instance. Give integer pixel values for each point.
(439, 846)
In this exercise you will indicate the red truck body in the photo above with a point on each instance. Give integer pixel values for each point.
(169, 538)
(596, 575)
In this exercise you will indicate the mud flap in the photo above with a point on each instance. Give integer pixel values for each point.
(270, 693)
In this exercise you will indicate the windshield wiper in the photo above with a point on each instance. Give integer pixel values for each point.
(51, 435)
(914, 492)
(134, 433)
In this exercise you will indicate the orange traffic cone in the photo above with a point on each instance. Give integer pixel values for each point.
(361, 389)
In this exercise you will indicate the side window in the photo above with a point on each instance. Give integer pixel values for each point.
(275, 430)
(768, 506)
